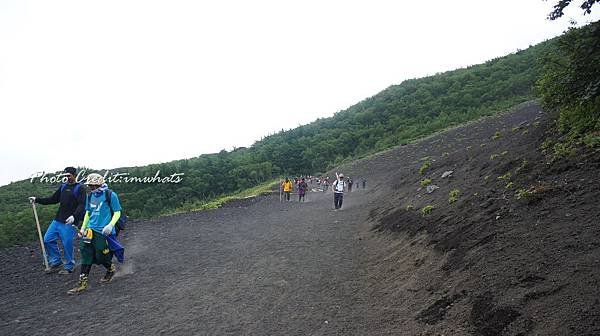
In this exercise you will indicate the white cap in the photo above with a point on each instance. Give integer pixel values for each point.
(341, 175)
(94, 179)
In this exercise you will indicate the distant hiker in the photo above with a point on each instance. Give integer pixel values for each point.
(364, 181)
(338, 191)
(98, 231)
(302, 186)
(350, 182)
(71, 197)
(287, 189)
(325, 182)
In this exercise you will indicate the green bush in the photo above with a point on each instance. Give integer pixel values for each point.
(427, 210)
(592, 140)
(424, 167)
(454, 193)
(564, 149)
(570, 82)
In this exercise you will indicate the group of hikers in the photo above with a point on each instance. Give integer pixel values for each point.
(339, 185)
(92, 218)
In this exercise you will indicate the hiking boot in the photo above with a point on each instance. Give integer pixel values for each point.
(53, 268)
(110, 273)
(82, 285)
(65, 271)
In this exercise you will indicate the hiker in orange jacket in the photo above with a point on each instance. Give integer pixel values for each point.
(287, 188)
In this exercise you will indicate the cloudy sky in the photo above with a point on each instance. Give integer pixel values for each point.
(105, 84)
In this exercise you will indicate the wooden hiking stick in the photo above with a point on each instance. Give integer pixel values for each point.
(39, 230)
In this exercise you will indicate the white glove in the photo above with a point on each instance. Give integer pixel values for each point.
(107, 230)
(31, 199)
(70, 220)
(81, 232)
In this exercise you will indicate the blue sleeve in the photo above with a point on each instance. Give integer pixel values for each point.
(114, 202)
(87, 203)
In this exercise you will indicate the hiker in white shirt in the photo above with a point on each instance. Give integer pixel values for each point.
(339, 185)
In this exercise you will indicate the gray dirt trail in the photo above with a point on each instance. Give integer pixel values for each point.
(265, 268)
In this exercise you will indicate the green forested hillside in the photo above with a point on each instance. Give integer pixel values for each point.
(397, 115)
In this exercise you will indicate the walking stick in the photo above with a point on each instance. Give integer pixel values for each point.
(37, 221)
(280, 187)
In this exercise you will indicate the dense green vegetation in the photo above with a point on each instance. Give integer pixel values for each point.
(397, 115)
(571, 84)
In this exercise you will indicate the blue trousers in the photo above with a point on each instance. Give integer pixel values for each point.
(66, 233)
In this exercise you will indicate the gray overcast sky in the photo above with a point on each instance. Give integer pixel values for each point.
(169, 80)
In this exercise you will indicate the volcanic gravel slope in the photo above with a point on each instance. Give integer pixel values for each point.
(487, 264)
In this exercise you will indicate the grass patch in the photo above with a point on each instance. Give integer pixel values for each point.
(546, 145)
(505, 177)
(563, 149)
(427, 210)
(265, 188)
(425, 182)
(523, 165)
(523, 194)
(592, 140)
(454, 193)
(424, 167)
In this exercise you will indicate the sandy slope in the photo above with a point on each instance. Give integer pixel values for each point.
(484, 265)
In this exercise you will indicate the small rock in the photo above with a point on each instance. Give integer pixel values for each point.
(497, 217)
(431, 188)
(447, 173)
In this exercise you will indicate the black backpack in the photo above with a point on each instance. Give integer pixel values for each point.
(122, 221)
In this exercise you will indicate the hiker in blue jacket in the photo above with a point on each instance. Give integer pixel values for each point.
(97, 230)
(71, 197)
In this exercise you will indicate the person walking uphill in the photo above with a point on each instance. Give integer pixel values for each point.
(97, 229)
(71, 199)
(287, 188)
(302, 186)
(338, 191)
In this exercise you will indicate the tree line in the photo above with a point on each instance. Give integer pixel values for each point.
(397, 115)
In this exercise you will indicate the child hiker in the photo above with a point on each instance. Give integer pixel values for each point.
(98, 232)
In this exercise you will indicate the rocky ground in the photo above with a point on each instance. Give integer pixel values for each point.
(511, 254)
